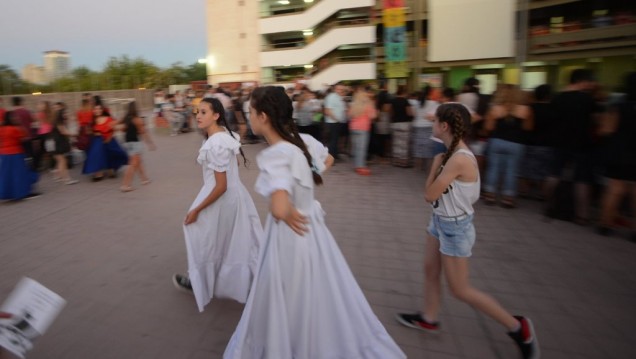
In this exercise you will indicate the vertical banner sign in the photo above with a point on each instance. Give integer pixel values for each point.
(395, 51)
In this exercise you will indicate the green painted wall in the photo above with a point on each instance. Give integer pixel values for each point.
(457, 76)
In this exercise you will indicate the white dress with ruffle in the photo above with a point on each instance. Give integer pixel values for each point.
(304, 302)
(223, 243)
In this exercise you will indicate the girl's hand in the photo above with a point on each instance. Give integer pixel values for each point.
(191, 217)
(296, 221)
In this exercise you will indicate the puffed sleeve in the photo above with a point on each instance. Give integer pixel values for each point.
(317, 150)
(218, 152)
(275, 172)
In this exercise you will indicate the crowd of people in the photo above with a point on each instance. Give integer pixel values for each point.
(44, 142)
(570, 149)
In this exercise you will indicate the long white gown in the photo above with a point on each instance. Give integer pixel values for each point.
(304, 302)
(223, 243)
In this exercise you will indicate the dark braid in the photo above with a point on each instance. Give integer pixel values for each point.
(274, 102)
(458, 118)
(217, 107)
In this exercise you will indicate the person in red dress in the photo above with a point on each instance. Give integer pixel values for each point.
(104, 153)
(16, 178)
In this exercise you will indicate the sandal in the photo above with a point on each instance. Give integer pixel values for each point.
(146, 182)
(126, 188)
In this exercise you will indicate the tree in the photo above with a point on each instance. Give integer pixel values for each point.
(10, 82)
(118, 73)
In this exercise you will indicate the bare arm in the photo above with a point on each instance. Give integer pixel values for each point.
(437, 162)
(489, 124)
(283, 209)
(217, 192)
(608, 123)
(528, 119)
(454, 168)
(328, 163)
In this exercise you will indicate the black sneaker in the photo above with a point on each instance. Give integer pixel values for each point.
(182, 283)
(416, 321)
(526, 339)
(33, 195)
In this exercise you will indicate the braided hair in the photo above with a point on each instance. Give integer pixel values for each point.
(217, 108)
(458, 118)
(274, 102)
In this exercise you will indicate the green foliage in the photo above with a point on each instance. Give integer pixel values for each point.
(118, 73)
(10, 82)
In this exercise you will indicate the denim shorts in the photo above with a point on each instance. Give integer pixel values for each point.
(133, 148)
(456, 235)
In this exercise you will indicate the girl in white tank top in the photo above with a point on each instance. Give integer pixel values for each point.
(452, 187)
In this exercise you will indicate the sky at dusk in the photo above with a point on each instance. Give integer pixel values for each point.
(160, 31)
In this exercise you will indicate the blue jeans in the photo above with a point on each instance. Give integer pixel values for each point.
(503, 157)
(360, 144)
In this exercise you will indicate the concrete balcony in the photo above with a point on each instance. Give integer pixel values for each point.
(585, 40)
(330, 40)
(309, 18)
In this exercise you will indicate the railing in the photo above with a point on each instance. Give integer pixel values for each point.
(576, 36)
(329, 61)
(317, 32)
(277, 9)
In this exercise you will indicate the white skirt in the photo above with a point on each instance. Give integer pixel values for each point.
(223, 246)
(305, 302)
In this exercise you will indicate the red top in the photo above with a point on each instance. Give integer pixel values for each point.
(2, 112)
(105, 129)
(84, 118)
(11, 140)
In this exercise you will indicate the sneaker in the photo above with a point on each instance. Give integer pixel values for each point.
(416, 321)
(182, 283)
(526, 339)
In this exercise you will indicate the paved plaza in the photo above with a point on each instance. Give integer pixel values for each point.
(111, 255)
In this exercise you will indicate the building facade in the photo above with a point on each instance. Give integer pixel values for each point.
(440, 42)
(34, 74)
(57, 64)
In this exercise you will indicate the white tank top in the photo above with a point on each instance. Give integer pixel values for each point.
(459, 197)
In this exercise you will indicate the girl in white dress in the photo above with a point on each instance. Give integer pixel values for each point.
(304, 301)
(222, 228)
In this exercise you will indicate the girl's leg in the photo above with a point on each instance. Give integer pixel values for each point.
(62, 169)
(142, 172)
(432, 279)
(456, 272)
(133, 163)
